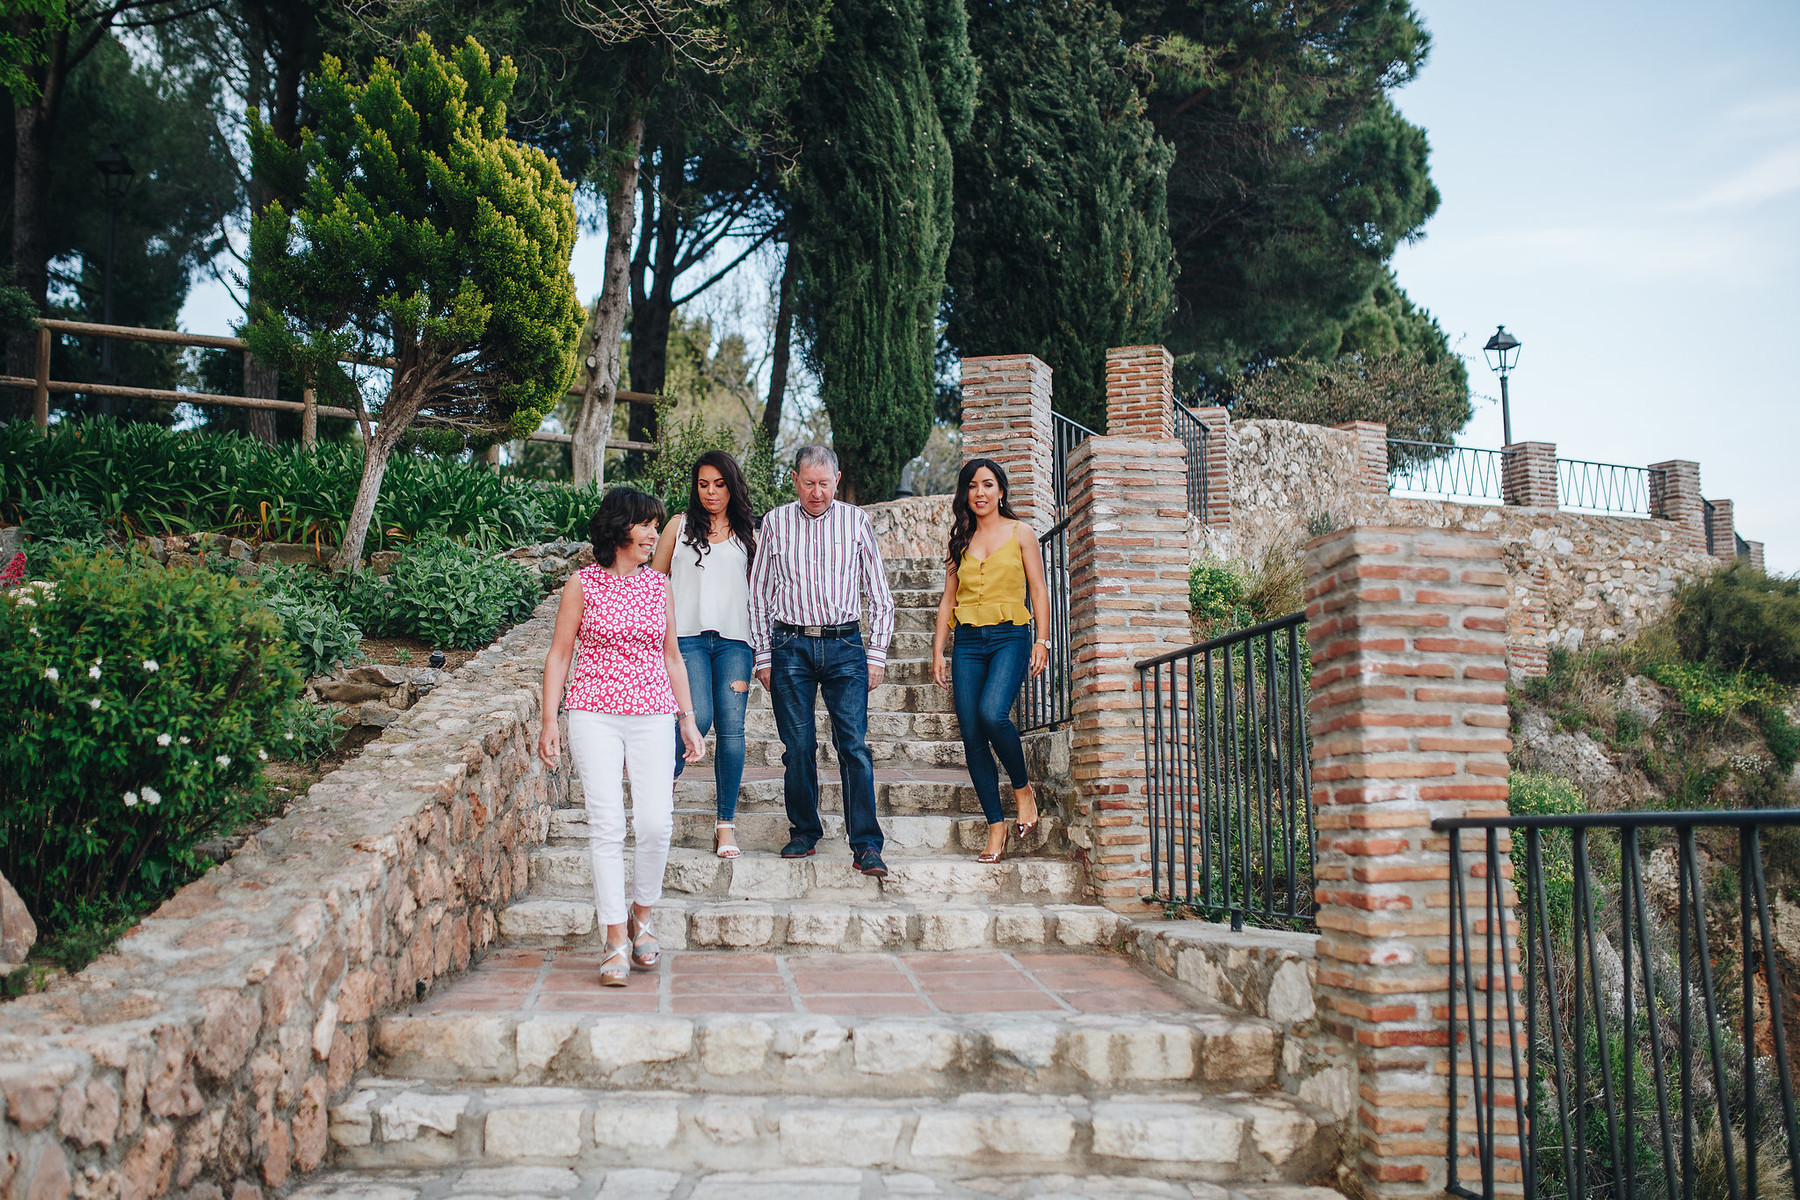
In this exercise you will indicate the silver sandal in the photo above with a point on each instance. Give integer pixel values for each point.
(645, 949)
(615, 976)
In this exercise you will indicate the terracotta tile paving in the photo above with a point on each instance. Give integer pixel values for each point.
(909, 984)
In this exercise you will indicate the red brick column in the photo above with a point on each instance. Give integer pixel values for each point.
(1675, 496)
(1756, 554)
(1006, 417)
(1724, 530)
(1528, 623)
(1128, 569)
(1218, 465)
(1409, 724)
(1372, 447)
(1528, 479)
(1140, 392)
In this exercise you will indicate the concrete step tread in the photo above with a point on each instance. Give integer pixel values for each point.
(1240, 1137)
(763, 826)
(778, 1183)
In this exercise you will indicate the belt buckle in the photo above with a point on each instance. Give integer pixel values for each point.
(815, 631)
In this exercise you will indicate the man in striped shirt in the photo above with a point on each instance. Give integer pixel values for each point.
(815, 558)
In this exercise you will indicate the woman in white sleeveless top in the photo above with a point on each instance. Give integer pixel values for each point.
(707, 552)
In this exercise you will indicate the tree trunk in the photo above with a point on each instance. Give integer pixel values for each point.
(593, 422)
(778, 359)
(34, 124)
(653, 293)
(376, 452)
(265, 382)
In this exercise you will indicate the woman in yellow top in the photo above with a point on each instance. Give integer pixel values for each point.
(992, 567)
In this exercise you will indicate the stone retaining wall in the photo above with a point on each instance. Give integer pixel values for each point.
(202, 1056)
(916, 527)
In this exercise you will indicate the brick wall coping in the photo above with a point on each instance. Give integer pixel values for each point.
(204, 1052)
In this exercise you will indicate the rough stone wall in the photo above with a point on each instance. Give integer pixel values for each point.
(204, 1053)
(916, 527)
(1285, 475)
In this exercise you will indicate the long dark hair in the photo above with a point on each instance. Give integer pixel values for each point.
(620, 510)
(962, 525)
(697, 529)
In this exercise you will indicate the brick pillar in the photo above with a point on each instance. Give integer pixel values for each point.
(1140, 392)
(1528, 622)
(1006, 417)
(1756, 554)
(1372, 448)
(1409, 724)
(1724, 531)
(1675, 496)
(1528, 478)
(1128, 587)
(1218, 465)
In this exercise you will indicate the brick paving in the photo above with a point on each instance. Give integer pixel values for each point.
(869, 984)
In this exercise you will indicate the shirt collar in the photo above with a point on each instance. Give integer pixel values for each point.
(821, 516)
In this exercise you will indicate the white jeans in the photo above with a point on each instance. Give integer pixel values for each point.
(606, 748)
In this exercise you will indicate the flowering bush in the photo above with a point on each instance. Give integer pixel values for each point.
(134, 704)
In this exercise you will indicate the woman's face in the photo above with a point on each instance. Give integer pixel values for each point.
(639, 545)
(984, 492)
(714, 495)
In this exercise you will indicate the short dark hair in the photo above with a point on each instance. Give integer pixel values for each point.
(621, 509)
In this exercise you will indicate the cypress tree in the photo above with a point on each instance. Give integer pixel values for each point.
(871, 220)
(1062, 244)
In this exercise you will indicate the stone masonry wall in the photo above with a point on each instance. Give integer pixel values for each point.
(204, 1053)
(916, 527)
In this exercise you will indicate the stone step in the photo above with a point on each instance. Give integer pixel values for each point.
(884, 727)
(896, 791)
(1241, 1137)
(562, 872)
(822, 926)
(765, 827)
(786, 1053)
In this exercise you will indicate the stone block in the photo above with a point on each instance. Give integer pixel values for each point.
(1172, 1133)
(402, 1116)
(738, 925)
(516, 1181)
(818, 925)
(892, 1048)
(841, 1136)
(1142, 1051)
(18, 932)
(973, 1130)
(953, 929)
(547, 1131)
(637, 1125)
(735, 1047)
(539, 1040)
(629, 1042)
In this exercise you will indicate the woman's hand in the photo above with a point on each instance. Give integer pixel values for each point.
(550, 743)
(940, 670)
(690, 737)
(1040, 658)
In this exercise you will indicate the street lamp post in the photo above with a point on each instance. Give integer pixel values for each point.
(116, 173)
(1502, 352)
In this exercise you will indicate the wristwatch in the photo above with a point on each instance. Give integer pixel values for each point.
(1044, 642)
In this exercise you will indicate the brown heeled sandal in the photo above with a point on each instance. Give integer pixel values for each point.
(1024, 829)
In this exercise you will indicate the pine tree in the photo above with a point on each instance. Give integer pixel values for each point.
(1062, 243)
(870, 217)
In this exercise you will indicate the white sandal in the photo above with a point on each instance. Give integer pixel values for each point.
(619, 976)
(645, 949)
(731, 851)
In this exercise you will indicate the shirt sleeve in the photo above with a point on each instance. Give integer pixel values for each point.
(762, 581)
(875, 583)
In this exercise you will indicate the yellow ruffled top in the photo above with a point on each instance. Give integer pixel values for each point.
(991, 590)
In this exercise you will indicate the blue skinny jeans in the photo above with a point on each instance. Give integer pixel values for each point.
(987, 665)
(718, 671)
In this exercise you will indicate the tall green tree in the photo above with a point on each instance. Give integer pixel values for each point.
(870, 217)
(425, 234)
(1062, 243)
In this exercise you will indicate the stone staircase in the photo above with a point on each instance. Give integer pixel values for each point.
(817, 1032)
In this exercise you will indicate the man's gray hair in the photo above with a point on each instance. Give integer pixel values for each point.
(816, 455)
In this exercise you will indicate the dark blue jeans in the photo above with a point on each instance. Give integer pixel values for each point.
(987, 665)
(800, 668)
(718, 671)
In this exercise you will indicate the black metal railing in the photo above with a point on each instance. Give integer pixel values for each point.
(1044, 702)
(1740, 547)
(1603, 487)
(1065, 435)
(1193, 434)
(1229, 776)
(1433, 471)
(1654, 1058)
(1706, 515)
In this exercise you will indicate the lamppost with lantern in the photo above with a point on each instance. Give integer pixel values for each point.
(116, 174)
(1502, 351)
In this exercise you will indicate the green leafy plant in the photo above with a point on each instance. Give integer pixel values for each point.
(59, 515)
(1538, 793)
(1740, 619)
(1712, 694)
(307, 732)
(450, 595)
(1216, 599)
(138, 704)
(322, 635)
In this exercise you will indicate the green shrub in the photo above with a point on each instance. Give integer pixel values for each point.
(449, 595)
(322, 636)
(1216, 598)
(308, 732)
(1537, 793)
(1740, 619)
(136, 705)
(1712, 694)
(61, 516)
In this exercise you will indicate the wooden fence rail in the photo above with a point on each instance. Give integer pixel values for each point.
(310, 409)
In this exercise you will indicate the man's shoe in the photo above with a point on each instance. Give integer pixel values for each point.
(869, 863)
(798, 848)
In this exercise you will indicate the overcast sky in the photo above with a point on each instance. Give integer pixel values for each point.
(1621, 189)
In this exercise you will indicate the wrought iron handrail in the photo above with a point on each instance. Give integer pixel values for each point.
(1229, 777)
(1065, 435)
(1193, 433)
(1603, 487)
(1589, 1044)
(1044, 702)
(1434, 470)
(1706, 515)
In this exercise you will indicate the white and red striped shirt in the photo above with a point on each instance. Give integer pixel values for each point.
(814, 571)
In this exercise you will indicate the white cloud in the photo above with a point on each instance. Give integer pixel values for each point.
(1774, 174)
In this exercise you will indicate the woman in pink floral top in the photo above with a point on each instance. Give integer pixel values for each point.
(629, 685)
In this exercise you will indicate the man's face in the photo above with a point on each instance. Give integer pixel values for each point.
(816, 485)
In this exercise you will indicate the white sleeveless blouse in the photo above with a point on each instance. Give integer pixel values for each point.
(713, 593)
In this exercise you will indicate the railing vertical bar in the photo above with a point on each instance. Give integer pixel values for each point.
(1584, 882)
(1721, 1092)
(1451, 1166)
(1229, 737)
(1772, 981)
(1750, 1155)
(1190, 765)
(1284, 780)
(1493, 916)
(1209, 788)
(1497, 888)
(1658, 1072)
(1265, 770)
(1534, 873)
(1628, 1022)
(1145, 717)
(1578, 854)
(1684, 1034)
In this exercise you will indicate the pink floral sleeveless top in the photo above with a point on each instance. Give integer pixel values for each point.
(619, 666)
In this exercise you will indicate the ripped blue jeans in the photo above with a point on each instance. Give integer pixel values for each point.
(718, 671)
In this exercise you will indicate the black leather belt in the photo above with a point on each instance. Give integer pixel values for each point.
(818, 631)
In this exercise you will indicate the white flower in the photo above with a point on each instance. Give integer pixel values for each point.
(152, 797)
(130, 799)
(152, 666)
(263, 754)
(224, 760)
(94, 671)
(163, 739)
(288, 736)
(52, 674)
(94, 704)
(185, 739)
(34, 632)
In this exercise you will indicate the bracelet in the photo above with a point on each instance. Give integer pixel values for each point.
(1044, 642)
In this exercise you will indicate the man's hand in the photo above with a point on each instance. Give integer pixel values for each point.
(877, 672)
(762, 677)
